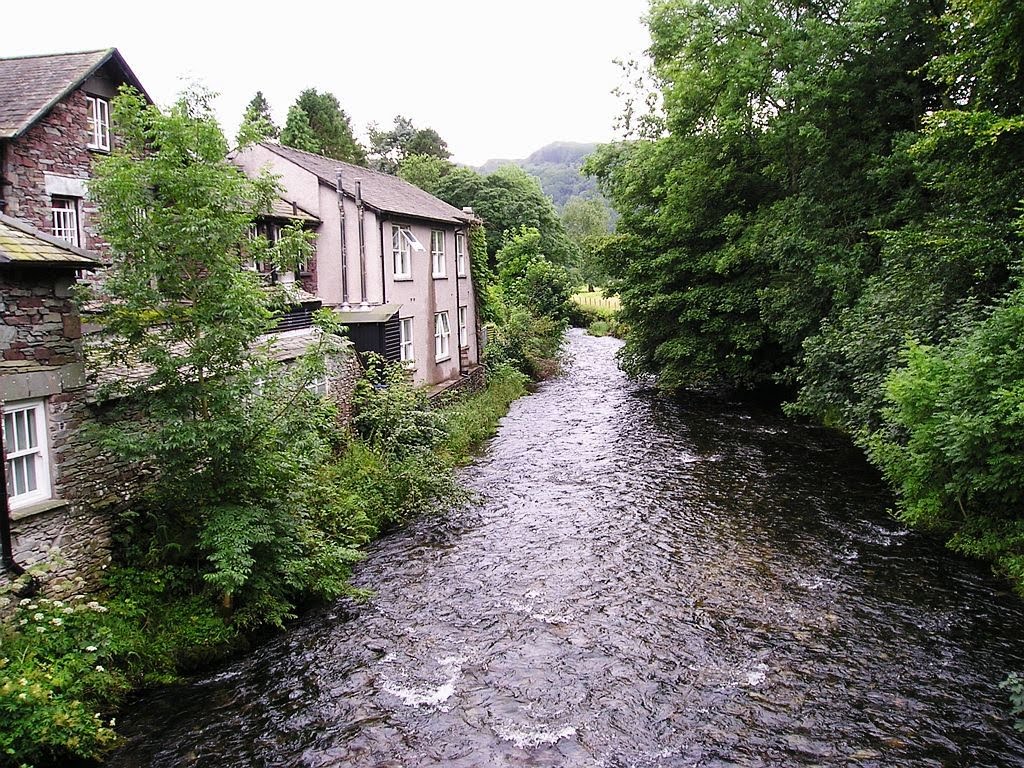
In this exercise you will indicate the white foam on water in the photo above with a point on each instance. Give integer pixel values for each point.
(424, 696)
(421, 697)
(757, 675)
(525, 737)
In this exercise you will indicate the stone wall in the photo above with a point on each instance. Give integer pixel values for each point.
(38, 319)
(41, 358)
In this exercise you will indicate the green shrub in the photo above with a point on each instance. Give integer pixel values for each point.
(599, 328)
(952, 434)
(472, 420)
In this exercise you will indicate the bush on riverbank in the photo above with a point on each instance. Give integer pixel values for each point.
(65, 666)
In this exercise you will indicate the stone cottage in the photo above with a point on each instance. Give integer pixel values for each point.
(55, 489)
(58, 491)
(392, 259)
(54, 120)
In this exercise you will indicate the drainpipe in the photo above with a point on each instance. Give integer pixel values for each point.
(6, 545)
(458, 304)
(3, 178)
(383, 274)
(344, 249)
(362, 245)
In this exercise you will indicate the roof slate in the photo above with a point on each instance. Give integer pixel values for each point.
(382, 191)
(31, 85)
(23, 245)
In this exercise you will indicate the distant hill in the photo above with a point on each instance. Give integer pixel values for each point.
(557, 167)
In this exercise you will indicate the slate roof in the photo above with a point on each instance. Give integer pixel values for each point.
(31, 85)
(381, 191)
(24, 245)
(282, 209)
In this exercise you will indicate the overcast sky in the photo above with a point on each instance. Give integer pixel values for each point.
(495, 79)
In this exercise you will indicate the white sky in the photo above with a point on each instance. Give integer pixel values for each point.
(496, 78)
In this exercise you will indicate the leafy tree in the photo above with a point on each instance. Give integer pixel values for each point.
(528, 278)
(257, 122)
(508, 200)
(388, 149)
(425, 171)
(233, 441)
(297, 131)
(587, 222)
(330, 126)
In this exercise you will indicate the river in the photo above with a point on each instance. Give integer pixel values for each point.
(643, 583)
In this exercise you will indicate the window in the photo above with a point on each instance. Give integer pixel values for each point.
(463, 330)
(460, 254)
(99, 123)
(318, 386)
(405, 330)
(64, 217)
(437, 253)
(28, 467)
(403, 244)
(442, 336)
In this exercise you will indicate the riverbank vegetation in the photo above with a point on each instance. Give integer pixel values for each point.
(260, 499)
(829, 203)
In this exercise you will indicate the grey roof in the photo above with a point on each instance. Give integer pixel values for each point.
(284, 209)
(380, 191)
(25, 245)
(31, 85)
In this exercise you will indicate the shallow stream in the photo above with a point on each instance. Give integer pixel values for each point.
(644, 583)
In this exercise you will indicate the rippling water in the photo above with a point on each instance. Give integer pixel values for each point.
(646, 583)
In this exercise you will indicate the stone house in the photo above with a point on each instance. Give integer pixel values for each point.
(392, 259)
(54, 120)
(58, 490)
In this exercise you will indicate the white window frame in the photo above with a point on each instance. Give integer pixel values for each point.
(99, 123)
(460, 254)
(406, 355)
(319, 385)
(64, 218)
(437, 260)
(442, 337)
(463, 329)
(23, 448)
(403, 245)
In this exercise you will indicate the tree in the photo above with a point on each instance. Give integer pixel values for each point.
(231, 439)
(508, 200)
(330, 127)
(425, 171)
(587, 222)
(388, 149)
(528, 278)
(297, 131)
(257, 123)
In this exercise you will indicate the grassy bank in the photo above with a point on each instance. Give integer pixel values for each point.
(67, 664)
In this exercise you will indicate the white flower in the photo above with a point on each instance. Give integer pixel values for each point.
(90, 649)
(99, 668)
(24, 601)
(113, 722)
(40, 630)
(56, 622)
(38, 616)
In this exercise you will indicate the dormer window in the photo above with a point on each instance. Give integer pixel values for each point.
(99, 123)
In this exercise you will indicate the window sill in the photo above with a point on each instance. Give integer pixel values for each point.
(403, 278)
(442, 359)
(440, 277)
(462, 275)
(38, 508)
(98, 150)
